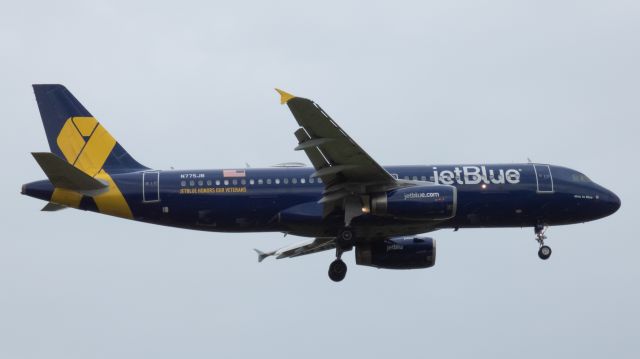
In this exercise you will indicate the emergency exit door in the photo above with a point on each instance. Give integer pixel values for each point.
(151, 186)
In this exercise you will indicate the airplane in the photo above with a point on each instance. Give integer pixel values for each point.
(347, 201)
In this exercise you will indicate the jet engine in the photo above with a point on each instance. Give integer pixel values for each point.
(431, 202)
(398, 253)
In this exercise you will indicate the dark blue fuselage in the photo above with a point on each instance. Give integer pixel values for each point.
(286, 199)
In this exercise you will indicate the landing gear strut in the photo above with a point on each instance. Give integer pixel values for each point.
(344, 242)
(545, 251)
(345, 239)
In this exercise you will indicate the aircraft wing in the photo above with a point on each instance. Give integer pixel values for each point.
(336, 157)
(301, 249)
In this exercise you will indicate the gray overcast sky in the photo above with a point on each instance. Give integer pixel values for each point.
(190, 85)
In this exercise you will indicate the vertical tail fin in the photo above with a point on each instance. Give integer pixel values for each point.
(75, 135)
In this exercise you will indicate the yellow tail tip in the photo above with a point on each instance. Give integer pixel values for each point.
(284, 96)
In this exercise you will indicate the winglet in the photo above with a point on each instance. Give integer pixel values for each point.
(284, 96)
(262, 255)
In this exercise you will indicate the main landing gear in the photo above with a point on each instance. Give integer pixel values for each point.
(545, 251)
(344, 242)
(337, 270)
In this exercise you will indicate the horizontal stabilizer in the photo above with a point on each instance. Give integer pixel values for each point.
(52, 207)
(64, 175)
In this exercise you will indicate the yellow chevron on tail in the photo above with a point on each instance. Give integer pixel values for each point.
(86, 145)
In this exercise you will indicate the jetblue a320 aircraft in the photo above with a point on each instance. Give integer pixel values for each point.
(346, 201)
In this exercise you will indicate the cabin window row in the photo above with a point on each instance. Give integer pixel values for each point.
(251, 182)
(416, 178)
(268, 181)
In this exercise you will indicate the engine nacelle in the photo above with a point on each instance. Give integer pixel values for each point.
(436, 202)
(398, 253)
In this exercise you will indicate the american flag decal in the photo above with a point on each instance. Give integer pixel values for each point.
(233, 173)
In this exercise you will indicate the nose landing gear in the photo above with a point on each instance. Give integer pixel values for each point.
(545, 251)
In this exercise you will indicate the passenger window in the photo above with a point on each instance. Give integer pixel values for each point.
(183, 183)
(243, 182)
(226, 182)
(217, 182)
(252, 182)
(302, 180)
(260, 181)
(319, 180)
(268, 180)
(294, 180)
(423, 178)
(235, 182)
(192, 183)
(200, 183)
(415, 178)
(406, 177)
(277, 180)
(312, 180)
(286, 181)
(209, 183)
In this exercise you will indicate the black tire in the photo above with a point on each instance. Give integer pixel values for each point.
(337, 270)
(544, 252)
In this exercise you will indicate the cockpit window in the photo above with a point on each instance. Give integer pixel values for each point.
(579, 177)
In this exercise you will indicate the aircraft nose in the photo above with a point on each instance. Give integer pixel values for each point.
(612, 201)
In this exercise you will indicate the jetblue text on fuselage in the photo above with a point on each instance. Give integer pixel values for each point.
(476, 175)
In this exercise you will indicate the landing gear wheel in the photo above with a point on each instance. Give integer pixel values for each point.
(544, 252)
(337, 270)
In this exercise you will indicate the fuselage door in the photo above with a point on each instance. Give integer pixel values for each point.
(544, 180)
(151, 186)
